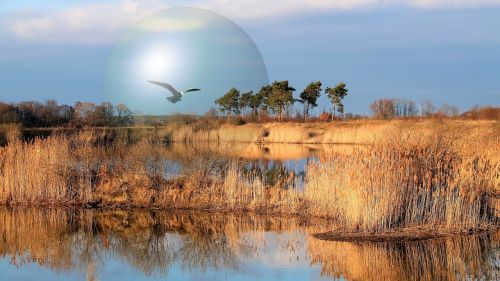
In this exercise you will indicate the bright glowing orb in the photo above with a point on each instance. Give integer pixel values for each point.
(157, 63)
(188, 48)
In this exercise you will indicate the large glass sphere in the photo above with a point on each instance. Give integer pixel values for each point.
(187, 48)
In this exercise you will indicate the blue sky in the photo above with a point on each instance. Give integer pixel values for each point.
(442, 50)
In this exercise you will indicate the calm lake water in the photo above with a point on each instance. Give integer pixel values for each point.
(55, 244)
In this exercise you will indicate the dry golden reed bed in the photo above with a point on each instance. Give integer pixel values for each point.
(350, 132)
(437, 175)
(424, 182)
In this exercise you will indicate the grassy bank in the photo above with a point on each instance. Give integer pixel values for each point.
(360, 132)
(351, 132)
(443, 178)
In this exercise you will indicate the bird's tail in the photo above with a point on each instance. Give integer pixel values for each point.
(172, 99)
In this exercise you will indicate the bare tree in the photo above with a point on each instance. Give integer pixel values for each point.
(448, 110)
(84, 112)
(404, 108)
(383, 108)
(8, 113)
(427, 108)
(123, 115)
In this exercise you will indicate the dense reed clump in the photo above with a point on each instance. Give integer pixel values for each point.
(84, 169)
(411, 181)
(39, 171)
(58, 170)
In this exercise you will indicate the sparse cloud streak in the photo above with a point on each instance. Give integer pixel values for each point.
(451, 3)
(157, 24)
(253, 9)
(86, 23)
(97, 23)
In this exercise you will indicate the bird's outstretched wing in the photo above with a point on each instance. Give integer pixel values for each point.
(166, 86)
(190, 90)
(176, 95)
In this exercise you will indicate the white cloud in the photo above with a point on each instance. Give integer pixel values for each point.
(157, 24)
(452, 3)
(95, 23)
(250, 9)
(91, 23)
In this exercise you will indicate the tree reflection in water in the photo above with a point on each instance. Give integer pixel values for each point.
(154, 241)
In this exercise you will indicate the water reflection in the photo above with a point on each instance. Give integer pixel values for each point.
(159, 244)
(458, 258)
(283, 165)
(277, 164)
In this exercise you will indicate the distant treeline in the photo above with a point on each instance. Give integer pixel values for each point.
(272, 103)
(278, 99)
(34, 114)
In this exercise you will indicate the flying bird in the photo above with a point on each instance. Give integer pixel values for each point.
(177, 96)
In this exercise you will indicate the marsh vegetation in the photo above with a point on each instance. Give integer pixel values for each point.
(407, 176)
(357, 200)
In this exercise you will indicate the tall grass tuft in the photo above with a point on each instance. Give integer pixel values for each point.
(420, 181)
(44, 171)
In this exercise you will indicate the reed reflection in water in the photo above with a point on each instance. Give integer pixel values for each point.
(276, 164)
(150, 245)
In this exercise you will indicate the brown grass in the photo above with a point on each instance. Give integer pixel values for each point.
(422, 180)
(75, 170)
(417, 233)
(417, 176)
(351, 132)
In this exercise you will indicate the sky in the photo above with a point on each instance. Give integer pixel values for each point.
(447, 51)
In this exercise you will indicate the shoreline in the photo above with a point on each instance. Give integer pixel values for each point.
(355, 132)
(396, 235)
(405, 234)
